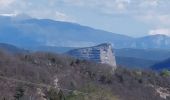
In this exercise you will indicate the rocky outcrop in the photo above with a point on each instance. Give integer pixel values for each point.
(163, 92)
(102, 53)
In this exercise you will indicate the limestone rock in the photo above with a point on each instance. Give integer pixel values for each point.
(102, 53)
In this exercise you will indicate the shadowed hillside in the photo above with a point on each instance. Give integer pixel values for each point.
(162, 65)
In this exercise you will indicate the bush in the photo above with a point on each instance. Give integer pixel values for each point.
(54, 94)
(92, 92)
(165, 73)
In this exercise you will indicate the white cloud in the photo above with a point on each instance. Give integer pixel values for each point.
(63, 17)
(163, 31)
(118, 6)
(105, 6)
(149, 3)
(115, 6)
(8, 14)
(43, 10)
(158, 20)
(50, 14)
(4, 3)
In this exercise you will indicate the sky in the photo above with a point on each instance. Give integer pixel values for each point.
(129, 17)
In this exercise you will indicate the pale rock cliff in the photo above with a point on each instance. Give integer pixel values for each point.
(102, 53)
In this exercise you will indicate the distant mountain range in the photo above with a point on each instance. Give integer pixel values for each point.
(135, 63)
(150, 54)
(59, 37)
(140, 58)
(29, 32)
(130, 58)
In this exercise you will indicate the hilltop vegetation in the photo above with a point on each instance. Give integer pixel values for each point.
(60, 77)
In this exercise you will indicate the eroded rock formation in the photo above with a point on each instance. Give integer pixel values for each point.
(102, 53)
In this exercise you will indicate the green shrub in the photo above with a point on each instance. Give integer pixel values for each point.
(165, 73)
(92, 92)
(54, 94)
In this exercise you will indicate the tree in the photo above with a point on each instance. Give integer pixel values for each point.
(53, 94)
(19, 93)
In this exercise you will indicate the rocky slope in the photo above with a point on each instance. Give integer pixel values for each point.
(36, 73)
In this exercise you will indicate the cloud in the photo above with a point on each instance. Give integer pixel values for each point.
(155, 18)
(63, 17)
(8, 14)
(129, 7)
(105, 6)
(149, 3)
(4, 3)
(115, 6)
(50, 14)
(119, 6)
(163, 31)
(160, 23)
(47, 9)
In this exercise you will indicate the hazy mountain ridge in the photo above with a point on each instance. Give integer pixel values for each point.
(45, 32)
(135, 63)
(154, 41)
(142, 58)
(48, 35)
(150, 54)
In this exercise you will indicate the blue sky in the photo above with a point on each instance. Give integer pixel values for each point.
(130, 17)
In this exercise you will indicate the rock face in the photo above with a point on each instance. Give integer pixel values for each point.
(102, 53)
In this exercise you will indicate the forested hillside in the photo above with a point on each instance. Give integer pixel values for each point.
(47, 76)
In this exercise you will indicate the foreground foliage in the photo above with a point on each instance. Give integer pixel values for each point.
(71, 76)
